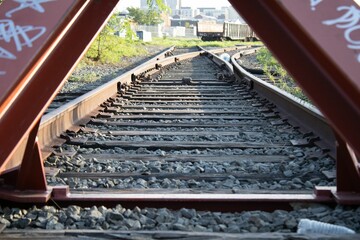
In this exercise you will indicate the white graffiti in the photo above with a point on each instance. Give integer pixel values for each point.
(350, 21)
(20, 35)
(314, 3)
(6, 54)
(33, 4)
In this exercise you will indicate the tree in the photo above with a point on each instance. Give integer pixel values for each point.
(106, 44)
(159, 4)
(145, 17)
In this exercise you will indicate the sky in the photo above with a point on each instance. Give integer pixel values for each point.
(185, 3)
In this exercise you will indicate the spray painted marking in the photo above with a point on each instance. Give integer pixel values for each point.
(33, 4)
(350, 21)
(9, 32)
(21, 36)
(6, 54)
(314, 3)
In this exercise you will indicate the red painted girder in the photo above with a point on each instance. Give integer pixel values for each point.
(40, 69)
(318, 43)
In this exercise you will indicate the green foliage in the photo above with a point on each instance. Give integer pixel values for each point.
(178, 42)
(145, 17)
(159, 4)
(278, 75)
(109, 48)
(113, 48)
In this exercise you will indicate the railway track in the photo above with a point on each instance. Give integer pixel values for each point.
(206, 135)
(75, 89)
(188, 134)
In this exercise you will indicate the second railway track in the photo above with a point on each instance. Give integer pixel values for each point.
(190, 128)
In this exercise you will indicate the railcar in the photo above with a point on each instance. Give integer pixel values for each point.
(212, 31)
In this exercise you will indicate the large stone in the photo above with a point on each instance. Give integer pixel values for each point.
(49, 209)
(94, 213)
(179, 227)
(233, 229)
(188, 213)
(23, 223)
(52, 223)
(102, 209)
(288, 173)
(132, 224)
(291, 223)
(115, 216)
(5, 221)
(32, 215)
(62, 217)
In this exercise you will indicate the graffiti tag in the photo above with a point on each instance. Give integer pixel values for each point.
(20, 36)
(33, 4)
(314, 3)
(350, 22)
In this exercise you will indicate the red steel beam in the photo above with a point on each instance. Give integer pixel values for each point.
(321, 53)
(318, 43)
(30, 82)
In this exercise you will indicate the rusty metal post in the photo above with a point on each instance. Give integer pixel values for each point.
(32, 73)
(31, 175)
(347, 171)
(41, 69)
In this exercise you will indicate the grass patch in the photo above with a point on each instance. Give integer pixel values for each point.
(278, 75)
(185, 43)
(110, 49)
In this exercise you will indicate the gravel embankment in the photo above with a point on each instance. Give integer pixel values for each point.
(100, 74)
(120, 218)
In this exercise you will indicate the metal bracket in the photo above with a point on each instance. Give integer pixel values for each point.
(30, 177)
(347, 174)
(32, 173)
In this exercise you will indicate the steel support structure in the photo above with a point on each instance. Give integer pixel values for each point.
(318, 43)
(55, 37)
(55, 34)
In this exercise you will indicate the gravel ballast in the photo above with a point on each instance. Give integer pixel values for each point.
(120, 218)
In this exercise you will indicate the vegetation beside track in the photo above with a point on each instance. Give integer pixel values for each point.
(182, 42)
(113, 48)
(278, 75)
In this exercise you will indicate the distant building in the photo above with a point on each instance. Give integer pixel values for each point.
(173, 4)
(213, 12)
(203, 10)
(186, 12)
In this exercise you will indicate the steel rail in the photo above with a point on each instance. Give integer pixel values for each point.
(59, 120)
(297, 111)
(63, 118)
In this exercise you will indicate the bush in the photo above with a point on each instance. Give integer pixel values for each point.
(113, 48)
(278, 75)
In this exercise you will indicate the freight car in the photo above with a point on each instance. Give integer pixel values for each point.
(212, 31)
